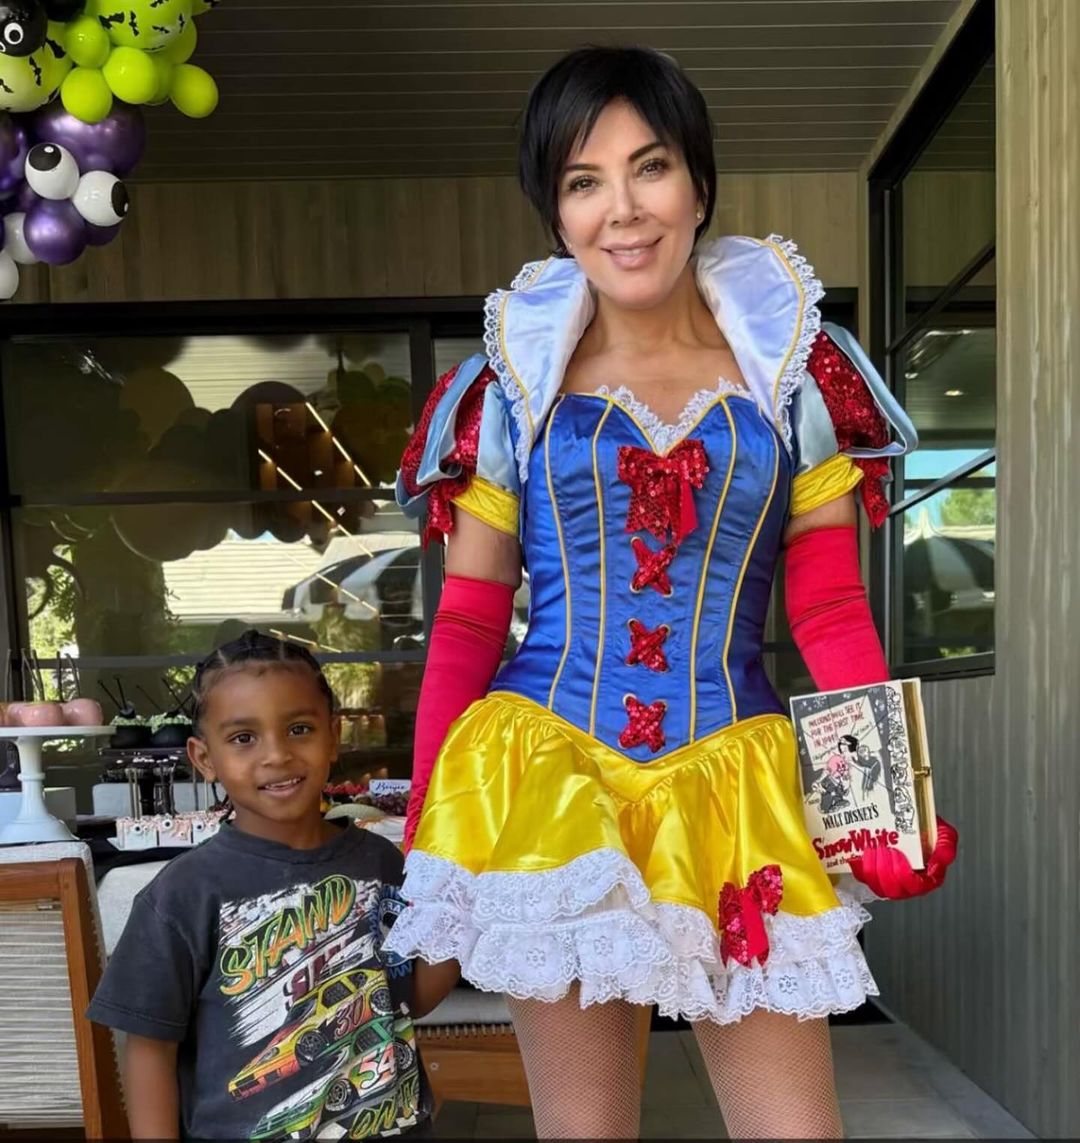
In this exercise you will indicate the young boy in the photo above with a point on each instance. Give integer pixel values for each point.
(249, 978)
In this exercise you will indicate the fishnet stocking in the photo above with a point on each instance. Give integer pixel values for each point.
(773, 1076)
(581, 1064)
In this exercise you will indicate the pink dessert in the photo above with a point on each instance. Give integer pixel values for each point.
(32, 714)
(82, 712)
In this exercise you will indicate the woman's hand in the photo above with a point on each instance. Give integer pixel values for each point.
(888, 873)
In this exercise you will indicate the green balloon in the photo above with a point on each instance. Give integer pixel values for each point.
(29, 82)
(88, 43)
(86, 95)
(145, 24)
(182, 48)
(130, 75)
(165, 71)
(194, 91)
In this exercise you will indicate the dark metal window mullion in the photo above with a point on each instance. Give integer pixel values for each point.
(422, 358)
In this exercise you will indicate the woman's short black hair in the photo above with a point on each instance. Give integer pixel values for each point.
(567, 101)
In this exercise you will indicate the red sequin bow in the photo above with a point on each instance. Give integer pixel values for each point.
(742, 915)
(643, 725)
(662, 488)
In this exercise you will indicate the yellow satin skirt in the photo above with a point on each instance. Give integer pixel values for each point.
(545, 858)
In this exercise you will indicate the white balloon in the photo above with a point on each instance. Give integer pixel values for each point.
(9, 276)
(15, 241)
(51, 171)
(101, 198)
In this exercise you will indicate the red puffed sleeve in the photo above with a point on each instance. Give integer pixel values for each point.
(461, 452)
(847, 426)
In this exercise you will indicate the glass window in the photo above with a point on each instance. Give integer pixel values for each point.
(948, 197)
(947, 572)
(168, 493)
(939, 332)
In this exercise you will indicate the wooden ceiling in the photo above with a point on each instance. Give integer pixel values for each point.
(355, 88)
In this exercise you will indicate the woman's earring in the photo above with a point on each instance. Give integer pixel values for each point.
(700, 214)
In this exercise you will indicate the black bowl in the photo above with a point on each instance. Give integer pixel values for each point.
(171, 735)
(129, 737)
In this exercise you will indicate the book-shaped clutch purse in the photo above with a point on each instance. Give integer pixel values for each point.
(865, 772)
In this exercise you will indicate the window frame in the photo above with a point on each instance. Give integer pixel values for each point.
(891, 332)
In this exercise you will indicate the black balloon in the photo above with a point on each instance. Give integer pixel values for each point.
(23, 26)
(63, 10)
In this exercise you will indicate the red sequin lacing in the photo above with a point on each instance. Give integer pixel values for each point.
(643, 724)
(647, 647)
(742, 915)
(856, 418)
(652, 567)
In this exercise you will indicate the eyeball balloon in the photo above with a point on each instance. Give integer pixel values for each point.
(15, 240)
(9, 276)
(23, 27)
(101, 198)
(52, 171)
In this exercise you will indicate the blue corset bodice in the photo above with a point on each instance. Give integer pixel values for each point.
(693, 625)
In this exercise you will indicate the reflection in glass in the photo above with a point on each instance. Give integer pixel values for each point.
(451, 351)
(947, 573)
(181, 578)
(128, 416)
(949, 195)
(950, 388)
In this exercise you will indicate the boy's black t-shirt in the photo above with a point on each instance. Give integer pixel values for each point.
(265, 964)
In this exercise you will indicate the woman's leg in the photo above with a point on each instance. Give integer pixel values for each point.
(582, 1067)
(773, 1076)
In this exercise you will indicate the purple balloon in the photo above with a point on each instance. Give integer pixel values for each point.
(55, 232)
(100, 235)
(8, 145)
(26, 198)
(13, 168)
(115, 144)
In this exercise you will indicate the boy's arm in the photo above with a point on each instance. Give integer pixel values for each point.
(432, 983)
(153, 1094)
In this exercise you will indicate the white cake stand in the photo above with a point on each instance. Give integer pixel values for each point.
(34, 822)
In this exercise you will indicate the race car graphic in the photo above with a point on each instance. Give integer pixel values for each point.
(374, 1091)
(322, 1025)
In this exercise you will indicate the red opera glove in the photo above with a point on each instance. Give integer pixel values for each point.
(466, 645)
(888, 873)
(828, 612)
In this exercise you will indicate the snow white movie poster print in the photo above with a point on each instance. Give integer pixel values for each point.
(856, 773)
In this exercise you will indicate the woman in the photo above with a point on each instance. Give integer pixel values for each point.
(615, 818)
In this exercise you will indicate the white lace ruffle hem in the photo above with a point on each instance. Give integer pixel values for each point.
(531, 935)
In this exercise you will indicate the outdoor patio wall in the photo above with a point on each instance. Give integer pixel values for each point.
(986, 969)
(390, 238)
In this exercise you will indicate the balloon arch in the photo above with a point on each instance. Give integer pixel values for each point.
(74, 76)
